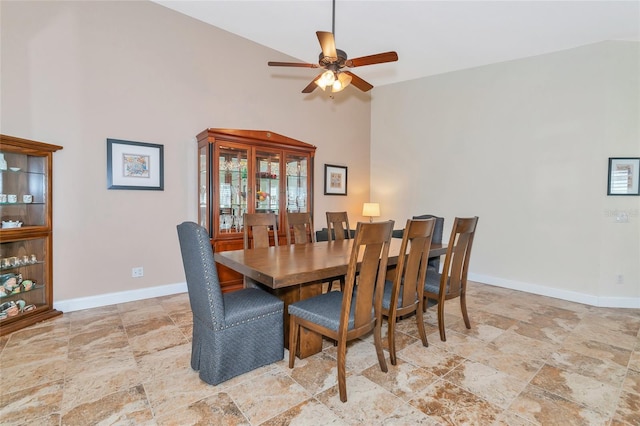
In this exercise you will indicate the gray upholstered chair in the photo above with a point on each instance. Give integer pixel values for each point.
(452, 282)
(403, 295)
(233, 333)
(349, 314)
(434, 262)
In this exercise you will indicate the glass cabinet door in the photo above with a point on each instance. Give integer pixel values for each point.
(204, 215)
(267, 196)
(297, 182)
(232, 188)
(23, 190)
(23, 277)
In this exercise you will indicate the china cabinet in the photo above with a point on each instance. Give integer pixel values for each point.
(249, 171)
(26, 255)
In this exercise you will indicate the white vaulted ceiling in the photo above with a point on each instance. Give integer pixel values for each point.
(431, 37)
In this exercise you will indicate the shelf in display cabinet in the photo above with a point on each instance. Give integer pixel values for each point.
(24, 265)
(22, 292)
(21, 171)
(23, 231)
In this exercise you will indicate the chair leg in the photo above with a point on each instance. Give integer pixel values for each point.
(420, 321)
(463, 307)
(391, 336)
(342, 366)
(443, 337)
(294, 330)
(377, 339)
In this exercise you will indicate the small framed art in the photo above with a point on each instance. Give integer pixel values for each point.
(624, 173)
(135, 165)
(335, 180)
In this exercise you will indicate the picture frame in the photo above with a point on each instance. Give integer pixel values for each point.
(135, 165)
(623, 176)
(335, 180)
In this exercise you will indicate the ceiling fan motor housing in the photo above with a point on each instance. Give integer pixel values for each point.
(333, 63)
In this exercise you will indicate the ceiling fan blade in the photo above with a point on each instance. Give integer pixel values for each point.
(292, 64)
(358, 82)
(372, 59)
(312, 86)
(327, 43)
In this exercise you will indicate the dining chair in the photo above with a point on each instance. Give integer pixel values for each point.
(233, 333)
(338, 226)
(302, 226)
(338, 229)
(256, 229)
(349, 314)
(452, 282)
(404, 295)
(434, 262)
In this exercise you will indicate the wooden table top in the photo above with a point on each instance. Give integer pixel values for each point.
(289, 265)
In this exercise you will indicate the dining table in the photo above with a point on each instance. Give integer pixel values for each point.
(296, 272)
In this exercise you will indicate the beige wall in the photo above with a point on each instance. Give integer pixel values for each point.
(524, 145)
(77, 73)
(533, 137)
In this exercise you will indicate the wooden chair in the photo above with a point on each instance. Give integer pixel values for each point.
(434, 262)
(302, 225)
(404, 295)
(233, 333)
(256, 229)
(452, 282)
(338, 229)
(349, 314)
(338, 226)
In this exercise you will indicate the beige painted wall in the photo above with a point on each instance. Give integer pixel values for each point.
(524, 145)
(77, 73)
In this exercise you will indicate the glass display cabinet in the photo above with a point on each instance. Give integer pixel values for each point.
(249, 171)
(26, 255)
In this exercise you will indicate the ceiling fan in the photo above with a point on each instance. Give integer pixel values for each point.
(333, 61)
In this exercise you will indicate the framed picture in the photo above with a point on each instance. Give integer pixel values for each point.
(135, 165)
(335, 180)
(624, 174)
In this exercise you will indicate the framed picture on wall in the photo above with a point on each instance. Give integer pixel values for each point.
(624, 173)
(335, 180)
(135, 165)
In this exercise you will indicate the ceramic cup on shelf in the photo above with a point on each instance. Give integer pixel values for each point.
(3, 198)
(12, 198)
(27, 198)
(27, 284)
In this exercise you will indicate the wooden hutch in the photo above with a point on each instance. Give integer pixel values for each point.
(249, 171)
(26, 247)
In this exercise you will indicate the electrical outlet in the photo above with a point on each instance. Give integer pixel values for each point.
(137, 272)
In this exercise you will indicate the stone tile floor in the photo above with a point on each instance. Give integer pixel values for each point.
(527, 360)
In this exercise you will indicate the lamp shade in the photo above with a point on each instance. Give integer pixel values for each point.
(371, 210)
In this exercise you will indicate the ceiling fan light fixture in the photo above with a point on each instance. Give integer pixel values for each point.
(327, 79)
(341, 82)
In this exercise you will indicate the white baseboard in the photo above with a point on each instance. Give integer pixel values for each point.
(119, 297)
(571, 296)
(166, 290)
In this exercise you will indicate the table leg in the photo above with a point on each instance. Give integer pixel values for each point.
(309, 343)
